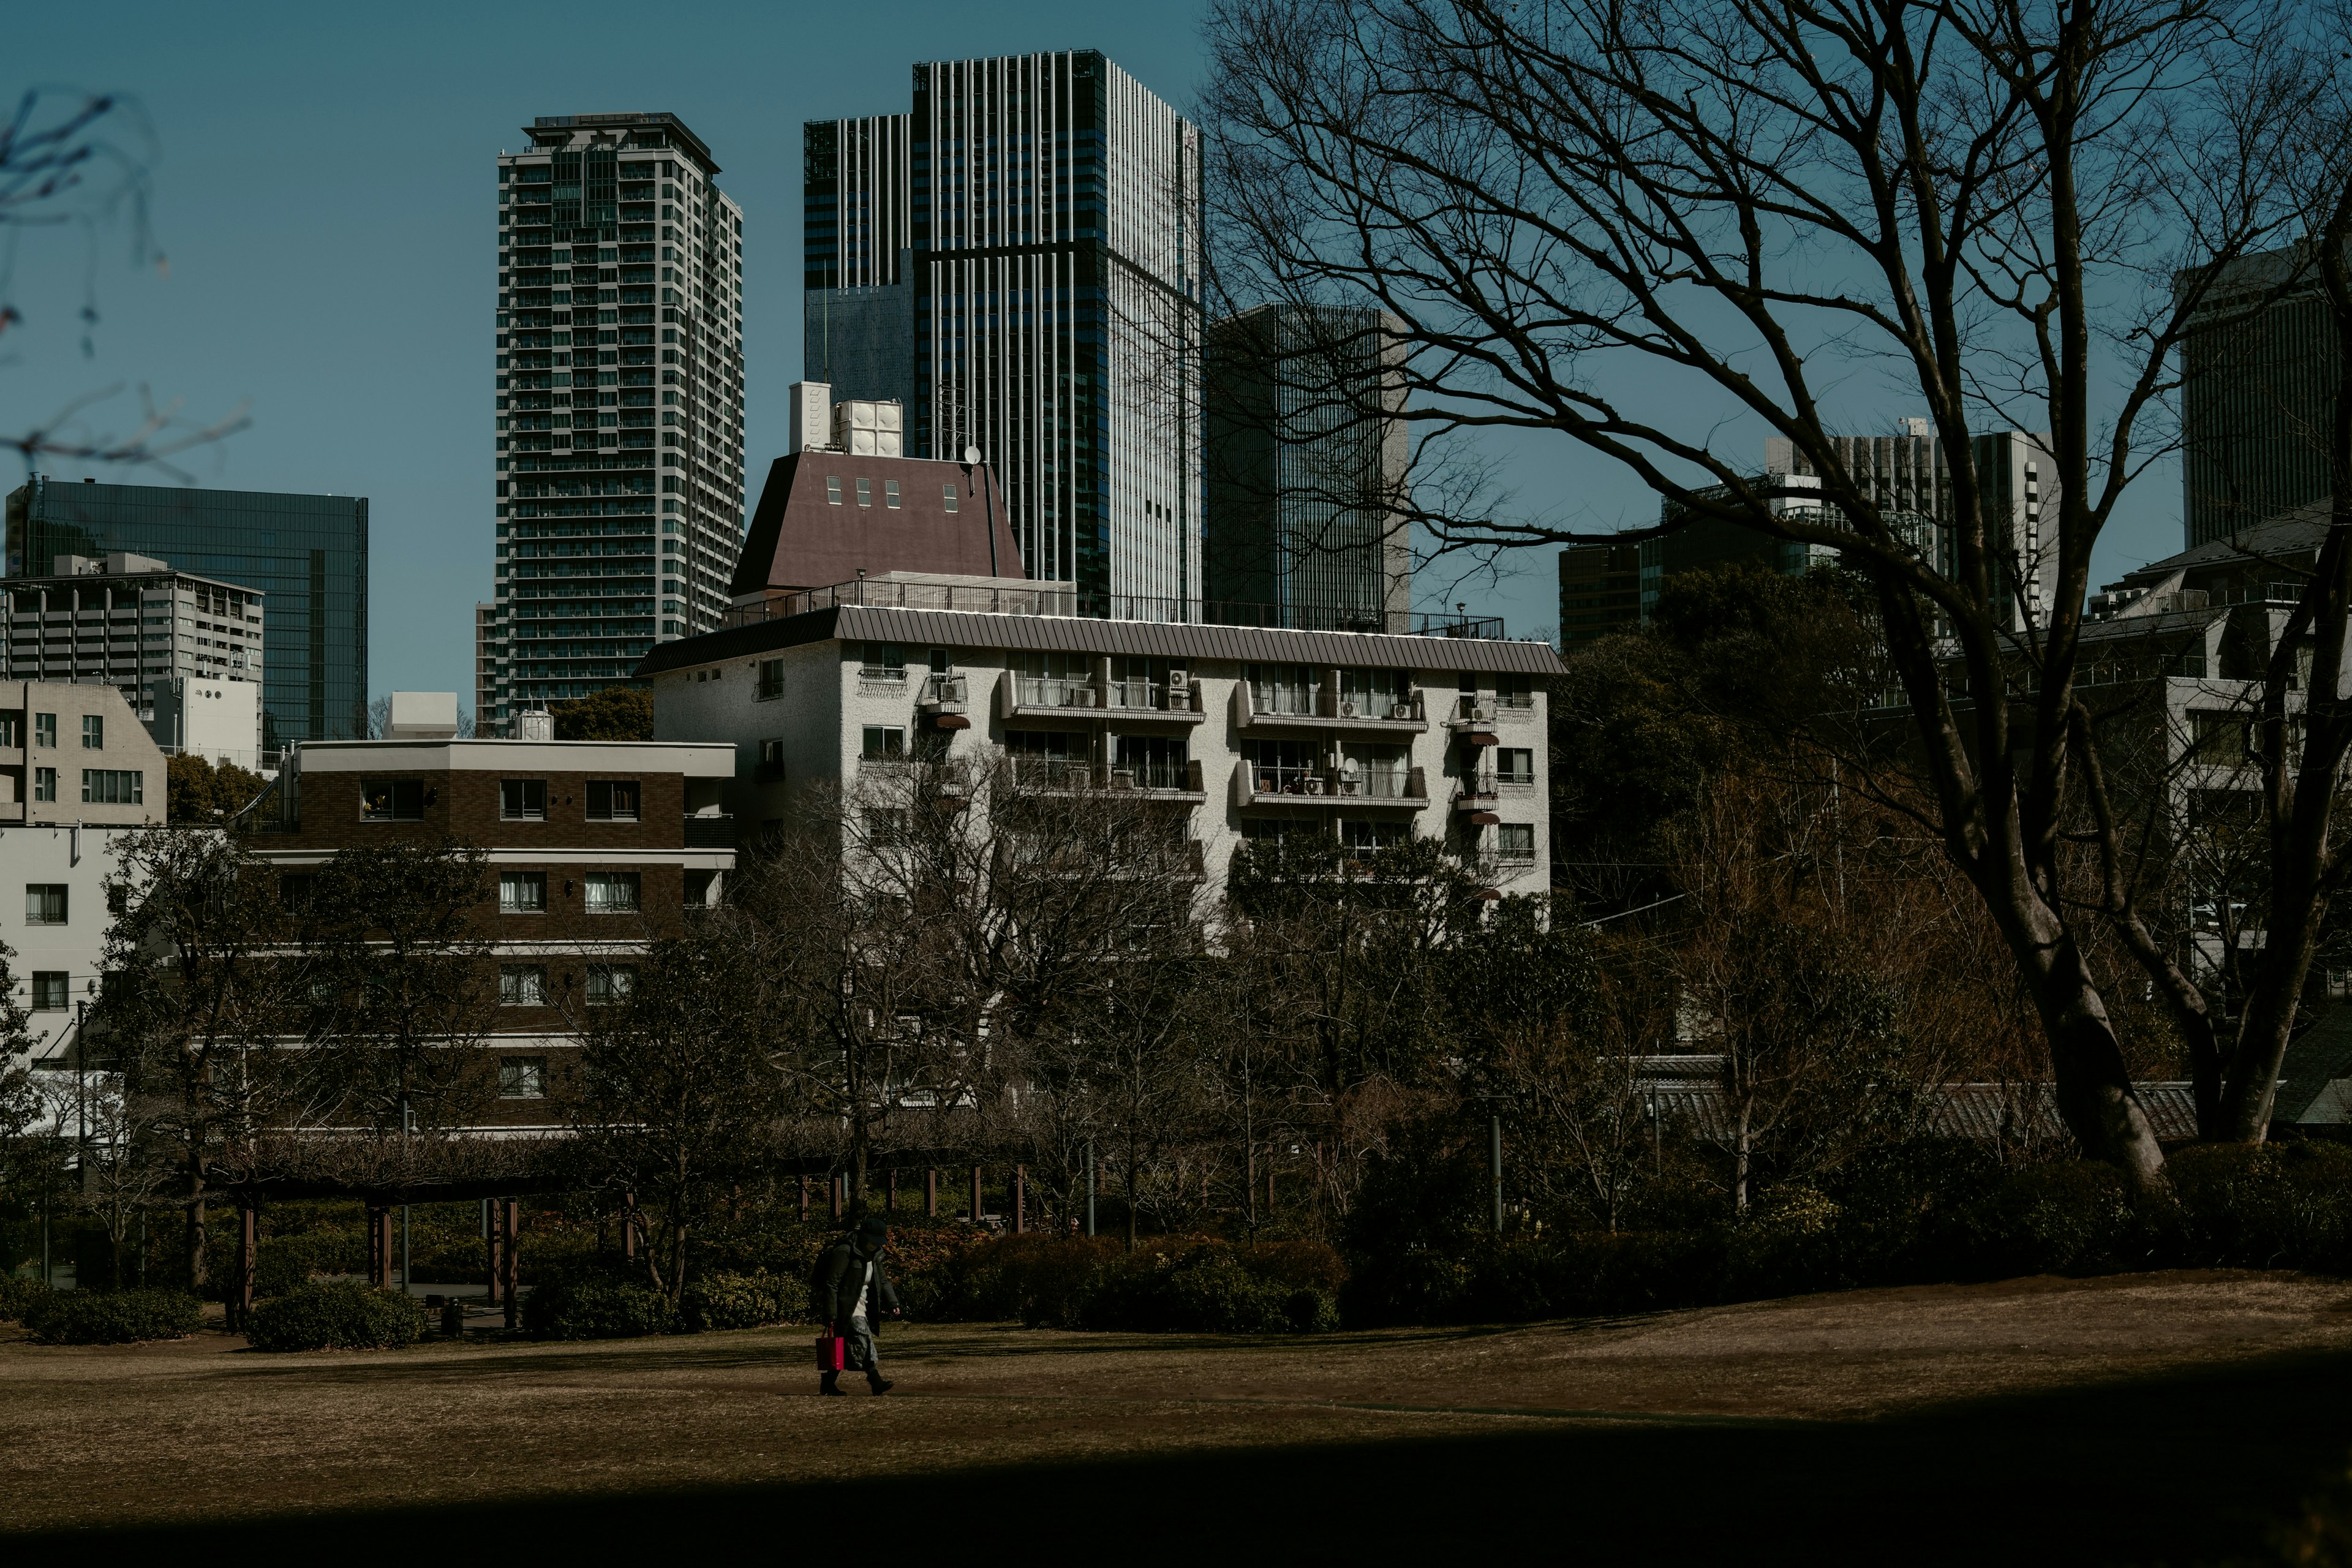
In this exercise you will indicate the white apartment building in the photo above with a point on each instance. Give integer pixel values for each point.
(1247, 732)
(620, 403)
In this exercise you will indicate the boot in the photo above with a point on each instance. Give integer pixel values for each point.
(879, 1384)
(830, 1382)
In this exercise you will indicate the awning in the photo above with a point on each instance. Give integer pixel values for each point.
(1488, 895)
(950, 721)
(1481, 737)
(1484, 820)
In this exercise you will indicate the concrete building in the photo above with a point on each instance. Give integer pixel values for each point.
(1306, 458)
(599, 848)
(1600, 591)
(304, 557)
(172, 642)
(620, 402)
(1050, 282)
(1239, 733)
(2258, 394)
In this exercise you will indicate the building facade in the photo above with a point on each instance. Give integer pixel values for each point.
(620, 402)
(1052, 210)
(597, 848)
(304, 557)
(2258, 379)
(1600, 591)
(1237, 732)
(1306, 468)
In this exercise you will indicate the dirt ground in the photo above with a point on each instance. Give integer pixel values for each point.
(2165, 1417)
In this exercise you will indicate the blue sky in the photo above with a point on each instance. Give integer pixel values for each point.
(325, 193)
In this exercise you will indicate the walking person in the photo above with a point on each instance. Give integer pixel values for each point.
(850, 1291)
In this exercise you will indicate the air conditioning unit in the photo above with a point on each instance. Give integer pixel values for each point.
(1178, 679)
(1347, 711)
(1085, 696)
(1399, 710)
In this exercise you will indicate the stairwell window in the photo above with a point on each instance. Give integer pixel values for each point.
(612, 893)
(890, 494)
(833, 490)
(865, 492)
(948, 497)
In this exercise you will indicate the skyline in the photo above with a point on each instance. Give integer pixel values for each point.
(323, 222)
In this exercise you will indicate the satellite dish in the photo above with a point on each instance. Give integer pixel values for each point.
(972, 456)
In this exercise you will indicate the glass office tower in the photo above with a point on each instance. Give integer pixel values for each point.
(305, 556)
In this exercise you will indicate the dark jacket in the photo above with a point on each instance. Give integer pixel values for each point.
(833, 1295)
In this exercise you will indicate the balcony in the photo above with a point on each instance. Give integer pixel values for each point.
(1176, 699)
(946, 699)
(1476, 796)
(1170, 780)
(1256, 784)
(1473, 718)
(710, 833)
(1176, 782)
(1323, 707)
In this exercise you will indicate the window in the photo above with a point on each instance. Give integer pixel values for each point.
(1515, 765)
(50, 989)
(94, 731)
(865, 492)
(947, 497)
(881, 661)
(1155, 762)
(884, 741)
(295, 891)
(2220, 737)
(522, 892)
(612, 893)
(45, 784)
(522, 1077)
(522, 986)
(1514, 691)
(391, 800)
(1516, 841)
(1360, 833)
(610, 984)
(771, 679)
(772, 759)
(522, 800)
(45, 729)
(832, 489)
(1281, 688)
(45, 903)
(114, 786)
(12, 730)
(612, 800)
(890, 494)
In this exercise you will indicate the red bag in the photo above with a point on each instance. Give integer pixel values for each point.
(832, 1352)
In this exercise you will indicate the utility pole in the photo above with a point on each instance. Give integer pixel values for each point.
(1495, 1164)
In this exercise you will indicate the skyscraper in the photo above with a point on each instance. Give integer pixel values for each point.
(305, 556)
(2258, 397)
(1306, 468)
(620, 401)
(1051, 281)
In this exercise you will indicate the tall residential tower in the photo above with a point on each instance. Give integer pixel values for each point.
(620, 402)
(1050, 289)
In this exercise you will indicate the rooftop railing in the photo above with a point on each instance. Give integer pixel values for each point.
(1052, 600)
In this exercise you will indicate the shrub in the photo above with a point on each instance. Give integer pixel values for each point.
(112, 1317)
(18, 1295)
(1204, 1288)
(724, 1301)
(336, 1314)
(591, 1309)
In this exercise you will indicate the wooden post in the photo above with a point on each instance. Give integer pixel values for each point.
(931, 1193)
(835, 1187)
(248, 1248)
(496, 1252)
(379, 1237)
(628, 1227)
(975, 1194)
(1020, 1195)
(1269, 1184)
(890, 1192)
(804, 1200)
(511, 1223)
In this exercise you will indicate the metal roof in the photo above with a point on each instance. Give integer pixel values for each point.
(1077, 634)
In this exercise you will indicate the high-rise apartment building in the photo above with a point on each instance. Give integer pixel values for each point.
(305, 557)
(1050, 284)
(620, 402)
(1600, 591)
(2258, 397)
(1306, 463)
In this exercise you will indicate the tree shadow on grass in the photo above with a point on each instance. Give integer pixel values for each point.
(2179, 1470)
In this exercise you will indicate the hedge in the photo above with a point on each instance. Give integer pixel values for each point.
(336, 1314)
(112, 1317)
(16, 1295)
(595, 1309)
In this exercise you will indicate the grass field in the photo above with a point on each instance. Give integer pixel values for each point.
(2172, 1417)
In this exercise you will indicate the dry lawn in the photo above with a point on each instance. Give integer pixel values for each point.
(2155, 1418)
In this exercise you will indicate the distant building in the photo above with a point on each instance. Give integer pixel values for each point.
(1305, 460)
(1600, 591)
(857, 305)
(486, 669)
(305, 556)
(2258, 397)
(620, 402)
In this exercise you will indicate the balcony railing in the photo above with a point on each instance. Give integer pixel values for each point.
(1053, 691)
(1405, 786)
(1046, 599)
(710, 833)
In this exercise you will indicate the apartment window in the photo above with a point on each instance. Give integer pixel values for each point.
(114, 786)
(1366, 834)
(610, 984)
(947, 497)
(12, 730)
(522, 892)
(772, 759)
(2219, 737)
(1515, 765)
(613, 800)
(612, 893)
(771, 679)
(45, 903)
(51, 990)
(94, 731)
(1516, 841)
(295, 891)
(45, 729)
(881, 661)
(865, 492)
(832, 489)
(884, 741)
(522, 1077)
(890, 494)
(45, 784)
(391, 800)
(522, 800)
(522, 986)
(1514, 691)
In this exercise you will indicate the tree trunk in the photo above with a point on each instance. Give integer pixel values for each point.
(2095, 1097)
